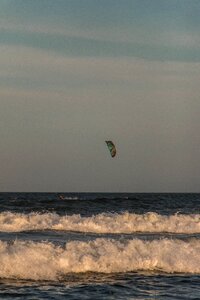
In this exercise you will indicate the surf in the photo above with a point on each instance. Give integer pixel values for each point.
(47, 261)
(101, 223)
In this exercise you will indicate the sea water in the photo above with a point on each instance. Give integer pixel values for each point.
(99, 246)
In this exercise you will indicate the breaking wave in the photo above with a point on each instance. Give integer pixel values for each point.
(46, 261)
(69, 198)
(102, 223)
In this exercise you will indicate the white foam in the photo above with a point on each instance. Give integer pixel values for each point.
(45, 261)
(102, 223)
(69, 198)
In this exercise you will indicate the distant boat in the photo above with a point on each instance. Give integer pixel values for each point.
(111, 148)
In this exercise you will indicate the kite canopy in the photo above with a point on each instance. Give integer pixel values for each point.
(111, 148)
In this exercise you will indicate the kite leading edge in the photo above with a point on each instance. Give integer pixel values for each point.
(111, 148)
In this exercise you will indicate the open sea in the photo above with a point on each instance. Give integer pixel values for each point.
(99, 246)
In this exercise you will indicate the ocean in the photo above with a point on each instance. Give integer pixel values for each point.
(99, 246)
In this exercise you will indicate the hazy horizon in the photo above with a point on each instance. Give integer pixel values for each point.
(76, 73)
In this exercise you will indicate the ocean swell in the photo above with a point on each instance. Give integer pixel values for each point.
(101, 223)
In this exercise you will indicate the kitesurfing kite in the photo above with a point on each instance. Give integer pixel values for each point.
(111, 148)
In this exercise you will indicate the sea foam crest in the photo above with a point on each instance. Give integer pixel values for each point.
(101, 223)
(46, 261)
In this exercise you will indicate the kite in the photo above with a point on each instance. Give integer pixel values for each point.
(111, 148)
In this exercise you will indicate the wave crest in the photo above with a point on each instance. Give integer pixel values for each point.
(102, 223)
(46, 261)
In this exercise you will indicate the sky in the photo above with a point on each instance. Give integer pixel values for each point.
(75, 73)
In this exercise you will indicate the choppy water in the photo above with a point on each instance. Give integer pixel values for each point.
(99, 246)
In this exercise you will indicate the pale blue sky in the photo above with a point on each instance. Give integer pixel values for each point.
(74, 73)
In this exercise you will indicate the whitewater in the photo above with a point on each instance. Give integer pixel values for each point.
(46, 261)
(99, 246)
(101, 223)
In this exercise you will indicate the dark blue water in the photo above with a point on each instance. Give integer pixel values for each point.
(43, 256)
